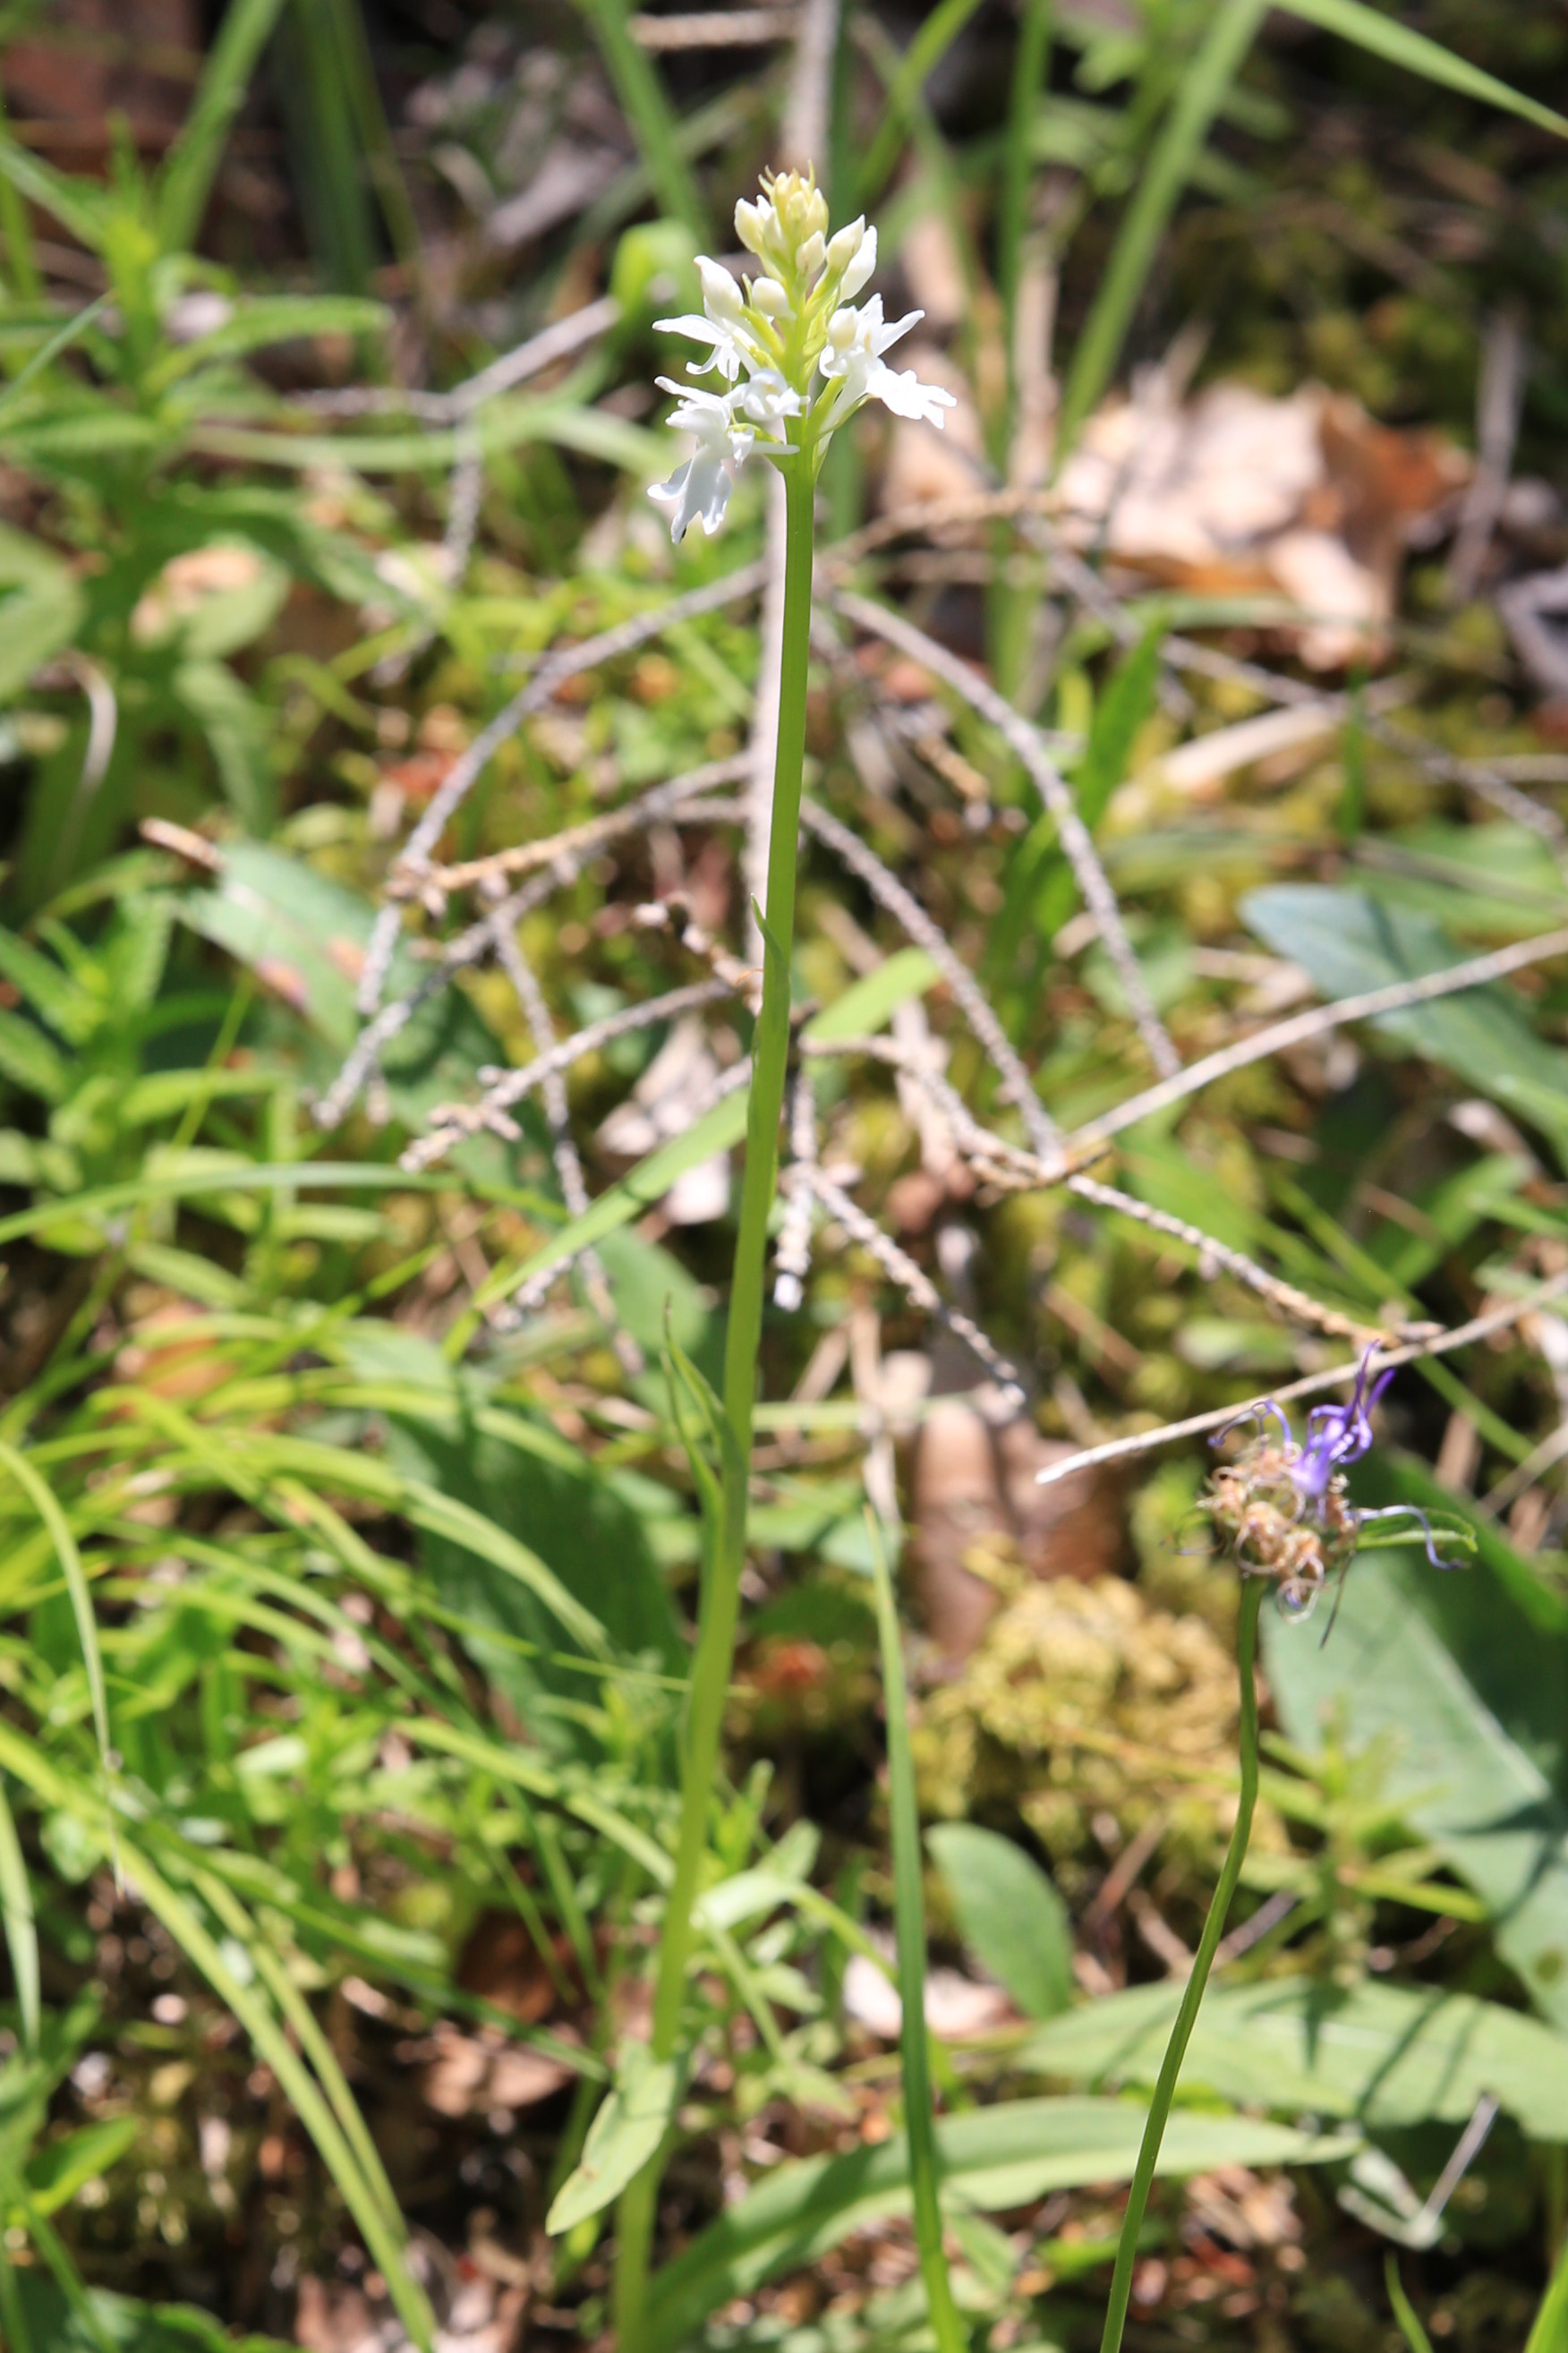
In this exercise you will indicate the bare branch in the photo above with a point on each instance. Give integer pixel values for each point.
(910, 1278)
(1023, 740)
(1442, 1343)
(571, 662)
(971, 999)
(451, 1122)
(1313, 1023)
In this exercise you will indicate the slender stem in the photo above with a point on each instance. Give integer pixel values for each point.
(1187, 2016)
(908, 1920)
(714, 1657)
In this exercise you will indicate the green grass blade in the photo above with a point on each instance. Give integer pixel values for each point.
(299, 2015)
(909, 1915)
(309, 2103)
(21, 1928)
(1369, 29)
(1012, 200)
(936, 36)
(649, 113)
(22, 1758)
(42, 1497)
(191, 165)
(362, 93)
(1203, 89)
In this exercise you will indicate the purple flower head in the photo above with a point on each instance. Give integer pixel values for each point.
(1285, 1507)
(1337, 1435)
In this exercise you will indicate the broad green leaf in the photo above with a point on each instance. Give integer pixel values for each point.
(991, 2159)
(520, 1476)
(124, 2324)
(1384, 2055)
(305, 936)
(1350, 942)
(1009, 1915)
(224, 618)
(62, 2167)
(1460, 1679)
(625, 2133)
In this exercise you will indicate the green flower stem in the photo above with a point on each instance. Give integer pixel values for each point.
(719, 1609)
(908, 1916)
(1187, 2016)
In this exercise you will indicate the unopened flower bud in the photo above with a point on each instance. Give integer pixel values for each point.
(812, 255)
(769, 297)
(722, 297)
(862, 265)
(843, 245)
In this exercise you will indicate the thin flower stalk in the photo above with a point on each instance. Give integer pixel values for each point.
(1192, 1993)
(794, 358)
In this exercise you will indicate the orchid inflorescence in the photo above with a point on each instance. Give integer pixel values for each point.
(794, 350)
(1284, 1506)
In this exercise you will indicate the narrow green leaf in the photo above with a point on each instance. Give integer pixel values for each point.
(43, 1500)
(29, 1062)
(1200, 92)
(936, 34)
(60, 340)
(191, 165)
(75, 204)
(1550, 2334)
(654, 123)
(1404, 2312)
(21, 1927)
(1369, 29)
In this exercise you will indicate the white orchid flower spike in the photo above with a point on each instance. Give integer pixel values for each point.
(798, 356)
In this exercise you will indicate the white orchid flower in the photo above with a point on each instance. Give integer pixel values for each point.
(790, 345)
(856, 342)
(700, 491)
